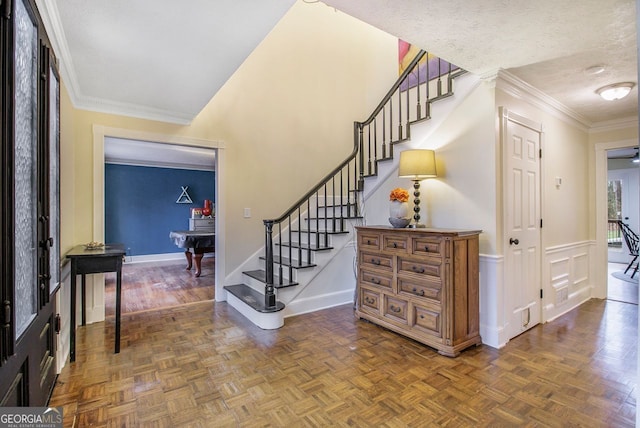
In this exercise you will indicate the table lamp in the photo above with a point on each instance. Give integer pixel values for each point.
(417, 165)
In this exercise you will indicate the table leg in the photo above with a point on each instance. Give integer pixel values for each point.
(72, 322)
(198, 260)
(189, 258)
(118, 306)
(83, 296)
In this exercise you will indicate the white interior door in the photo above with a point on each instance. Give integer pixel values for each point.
(521, 143)
(624, 189)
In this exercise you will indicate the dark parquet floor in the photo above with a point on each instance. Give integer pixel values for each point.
(204, 365)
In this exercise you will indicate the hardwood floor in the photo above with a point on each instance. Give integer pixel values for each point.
(204, 365)
(618, 289)
(155, 285)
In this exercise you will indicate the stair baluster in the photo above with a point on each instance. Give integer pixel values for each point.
(339, 188)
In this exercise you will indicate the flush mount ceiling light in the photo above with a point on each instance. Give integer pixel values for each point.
(615, 91)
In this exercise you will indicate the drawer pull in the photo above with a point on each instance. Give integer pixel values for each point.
(369, 300)
(395, 309)
(426, 248)
(421, 317)
(415, 291)
(368, 242)
(375, 261)
(395, 245)
(416, 269)
(375, 280)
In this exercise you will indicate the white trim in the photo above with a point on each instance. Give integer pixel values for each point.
(601, 252)
(149, 258)
(99, 134)
(568, 272)
(154, 164)
(492, 300)
(53, 25)
(614, 125)
(521, 90)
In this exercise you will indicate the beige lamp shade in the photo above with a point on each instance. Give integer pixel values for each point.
(417, 164)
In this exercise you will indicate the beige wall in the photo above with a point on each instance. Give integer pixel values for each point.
(285, 119)
(464, 194)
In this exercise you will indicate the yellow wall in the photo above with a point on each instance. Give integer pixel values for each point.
(285, 119)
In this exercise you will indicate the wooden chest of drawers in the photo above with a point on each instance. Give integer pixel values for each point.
(422, 283)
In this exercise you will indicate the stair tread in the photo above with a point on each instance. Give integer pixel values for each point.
(286, 262)
(252, 298)
(261, 276)
(328, 232)
(346, 204)
(304, 246)
(335, 218)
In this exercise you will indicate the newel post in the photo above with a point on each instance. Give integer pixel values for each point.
(269, 291)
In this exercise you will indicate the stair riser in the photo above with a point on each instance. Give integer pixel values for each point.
(302, 276)
(305, 238)
(340, 211)
(319, 258)
(329, 226)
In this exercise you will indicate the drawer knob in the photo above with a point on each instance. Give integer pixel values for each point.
(395, 245)
(368, 242)
(421, 317)
(426, 248)
(415, 291)
(395, 309)
(375, 280)
(369, 300)
(417, 269)
(375, 261)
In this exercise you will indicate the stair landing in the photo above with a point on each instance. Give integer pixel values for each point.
(250, 303)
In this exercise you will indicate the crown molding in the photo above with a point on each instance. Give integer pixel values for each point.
(132, 110)
(614, 125)
(52, 23)
(520, 89)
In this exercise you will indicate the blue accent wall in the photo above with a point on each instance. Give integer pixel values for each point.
(141, 209)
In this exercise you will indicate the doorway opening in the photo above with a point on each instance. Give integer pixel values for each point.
(215, 265)
(623, 178)
(151, 189)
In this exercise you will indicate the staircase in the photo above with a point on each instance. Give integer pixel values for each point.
(304, 242)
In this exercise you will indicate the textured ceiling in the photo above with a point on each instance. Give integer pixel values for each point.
(165, 60)
(546, 43)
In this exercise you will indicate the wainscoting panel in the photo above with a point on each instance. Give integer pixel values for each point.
(566, 278)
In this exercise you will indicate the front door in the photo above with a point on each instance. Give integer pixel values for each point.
(521, 142)
(29, 249)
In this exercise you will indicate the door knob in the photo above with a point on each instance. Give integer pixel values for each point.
(513, 241)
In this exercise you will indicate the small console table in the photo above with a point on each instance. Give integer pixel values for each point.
(200, 242)
(83, 262)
